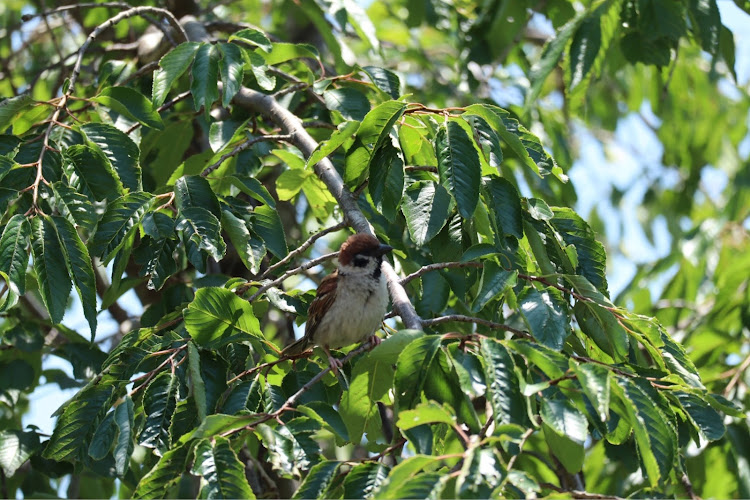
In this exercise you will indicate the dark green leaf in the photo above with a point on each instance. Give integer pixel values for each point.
(231, 71)
(205, 74)
(14, 257)
(592, 259)
(377, 125)
(223, 474)
(506, 206)
(494, 281)
(253, 36)
(202, 233)
(171, 67)
(459, 167)
(79, 267)
(125, 444)
(95, 172)
(217, 317)
(122, 217)
(504, 393)
(363, 479)
(244, 396)
(487, 140)
(119, 149)
(267, 223)
(387, 179)
(51, 267)
(546, 313)
(195, 191)
(318, 481)
(601, 326)
(412, 368)
(351, 103)
(130, 103)
(426, 206)
(75, 206)
(159, 403)
(244, 243)
(103, 438)
(160, 480)
(708, 421)
(385, 80)
(595, 380)
(481, 473)
(565, 430)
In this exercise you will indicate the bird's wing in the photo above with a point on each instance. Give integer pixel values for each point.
(321, 304)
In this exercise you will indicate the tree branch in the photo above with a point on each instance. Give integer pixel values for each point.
(304, 246)
(307, 265)
(470, 319)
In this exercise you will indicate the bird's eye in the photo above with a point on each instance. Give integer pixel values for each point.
(360, 261)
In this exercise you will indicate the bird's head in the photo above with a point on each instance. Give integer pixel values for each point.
(362, 254)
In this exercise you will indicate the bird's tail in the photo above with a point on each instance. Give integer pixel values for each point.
(296, 347)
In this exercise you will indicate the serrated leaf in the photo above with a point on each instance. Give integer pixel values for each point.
(103, 438)
(351, 103)
(481, 473)
(385, 80)
(119, 149)
(130, 103)
(547, 316)
(79, 420)
(244, 396)
(125, 443)
(158, 482)
(231, 71)
(707, 420)
(506, 207)
(412, 478)
(292, 448)
(11, 106)
(458, 166)
(592, 259)
(318, 481)
(122, 216)
(94, 171)
(253, 187)
(50, 266)
(202, 233)
(282, 52)
(386, 184)
(486, 139)
(217, 317)
(159, 402)
(244, 243)
(80, 268)
(253, 36)
(343, 132)
(197, 386)
(565, 430)
(426, 206)
(377, 125)
(595, 382)
(504, 393)
(222, 472)
(14, 257)
(363, 479)
(267, 224)
(494, 281)
(412, 368)
(75, 206)
(205, 76)
(601, 326)
(171, 67)
(195, 191)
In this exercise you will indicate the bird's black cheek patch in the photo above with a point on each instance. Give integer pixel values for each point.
(376, 272)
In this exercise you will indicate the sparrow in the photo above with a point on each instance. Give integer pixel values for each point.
(350, 302)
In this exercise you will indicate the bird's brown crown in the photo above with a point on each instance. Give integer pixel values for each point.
(361, 243)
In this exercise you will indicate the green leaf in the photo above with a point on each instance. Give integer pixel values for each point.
(160, 480)
(131, 104)
(494, 281)
(95, 172)
(195, 191)
(80, 418)
(601, 326)
(481, 473)
(197, 386)
(243, 241)
(282, 52)
(171, 67)
(205, 74)
(707, 420)
(120, 219)
(425, 413)
(217, 317)
(351, 103)
(79, 267)
(411, 479)
(487, 139)
(459, 167)
(504, 393)
(50, 266)
(565, 430)
(385, 80)
(125, 443)
(6, 165)
(223, 474)
(11, 106)
(243, 396)
(253, 187)
(155, 255)
(426, 206)
(506, 207)
(75, 206)
(412, 368)
(103, 438)
(592, 259)
(377, 125)
(595, 381)
(16, 447)
(267, 223)
(654, 434)
(253, 36)
(202, 232)
(231, 70)
(119, 149)
(292, 448)
(363, 479)
(14, 258)
(386, 184)
(342, 133)
(546, 313)
(159, 402)
(319, 480)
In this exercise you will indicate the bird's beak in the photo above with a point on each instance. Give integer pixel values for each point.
(383, 249)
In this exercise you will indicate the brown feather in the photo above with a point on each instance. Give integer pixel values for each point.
(325, 295)
(357, 243)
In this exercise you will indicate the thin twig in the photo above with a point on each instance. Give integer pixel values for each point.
(307, 265)
(470, 319)
(304, 246)
(420, 168)
(524, 437)
(436, 266)
(243, 146)
(737, 374)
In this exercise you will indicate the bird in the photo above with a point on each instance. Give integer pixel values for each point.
(350, 302)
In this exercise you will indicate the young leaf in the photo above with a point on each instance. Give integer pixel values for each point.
(130, 103)
(80, 268)
(231, 71)
(425, 413)
(119, 149)
(171, 67)
(51, 267)
(343, 132)
(217, 317)
(426, 206)
(95, 172)
(205, 76)
(122, 216)
(459, 167)
(223, 474)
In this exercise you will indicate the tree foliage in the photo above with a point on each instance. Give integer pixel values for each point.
(186, 177)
